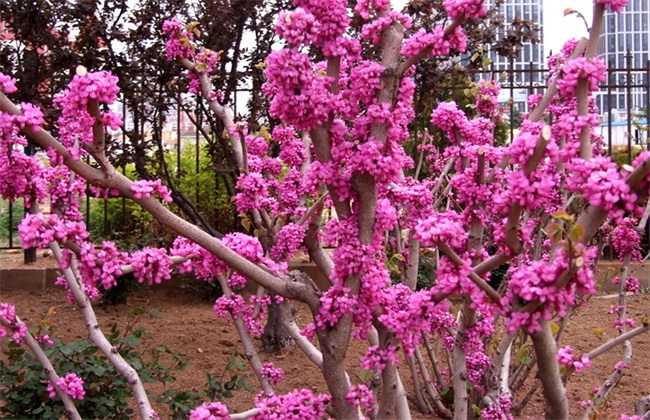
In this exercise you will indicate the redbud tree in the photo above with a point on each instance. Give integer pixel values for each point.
(534, 206)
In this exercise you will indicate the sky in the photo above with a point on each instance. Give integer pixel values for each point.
(557, 27)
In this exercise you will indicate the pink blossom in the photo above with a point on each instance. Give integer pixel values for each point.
(614, 5)
(70, 384)
(299, 95)
(566, 357)
(297, 27)
(499, 411)
(440, 44)
(626, 240)
(146, 188)
(289, 240)
(366, 8)
(151, 265)
(361, 397)
(234, 306)
(7, 84)
(442, 227)
(378, 358)
(465, 9)
(592, 70)
(272, 374)
(210, 411)
(179, 43)
(297, 405)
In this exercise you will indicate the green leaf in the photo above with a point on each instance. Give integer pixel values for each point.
(138, 311)
(235, 363)
(563, 216)
(554, 232)
(576, 233)
(555, 328)
(520, 354)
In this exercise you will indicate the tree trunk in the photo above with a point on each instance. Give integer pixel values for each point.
(276, 337)
(555, 397)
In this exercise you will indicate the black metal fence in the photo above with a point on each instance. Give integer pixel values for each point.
(622, 99)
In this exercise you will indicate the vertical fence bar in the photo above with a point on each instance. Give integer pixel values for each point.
(610, 74)
(11, 224)
(123, 215)
(647, 104)
(511, 75)
(196, 147)
(178, 137)
(30, 253)
(628, 104)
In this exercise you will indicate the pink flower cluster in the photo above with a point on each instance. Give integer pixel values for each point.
(465, 9)
(614, 5)
(293, 149)
(487, 103)
(450, 119)
(100, 85)
(70, 384)
(366, 8)
(499, 411)
(202, 263)
(234, 306)
(151, 265)
(592, 70)
(146, 188)
(297, 27)
(603, 185)
(272, 374)
(336, 303)
(299, 404)
(332, 17)
(179, 44)
(440, 44)
(361, 397)
(7, 84)
(444, 227)
(408, 314)
(99, 265)
(247, 246)
(8, 319)
(75, 123)
(374, 29)
(210, 411)
(378, 358)
(536, 281)
(626, 240)
(37, 231)
(205, 61)
(566, 357)
(289, 240)
(299, 96)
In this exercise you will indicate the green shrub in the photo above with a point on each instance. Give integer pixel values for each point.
(17, 212)
(181, 402)
(23, 382)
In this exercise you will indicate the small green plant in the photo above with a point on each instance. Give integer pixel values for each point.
(23, 382)
(181, 402)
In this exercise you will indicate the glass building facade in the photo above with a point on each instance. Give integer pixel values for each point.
(530, 54)
(625, 43)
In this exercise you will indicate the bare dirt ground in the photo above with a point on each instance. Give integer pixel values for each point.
(188, 326)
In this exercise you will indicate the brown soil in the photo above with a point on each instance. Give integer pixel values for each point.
(188, 326)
